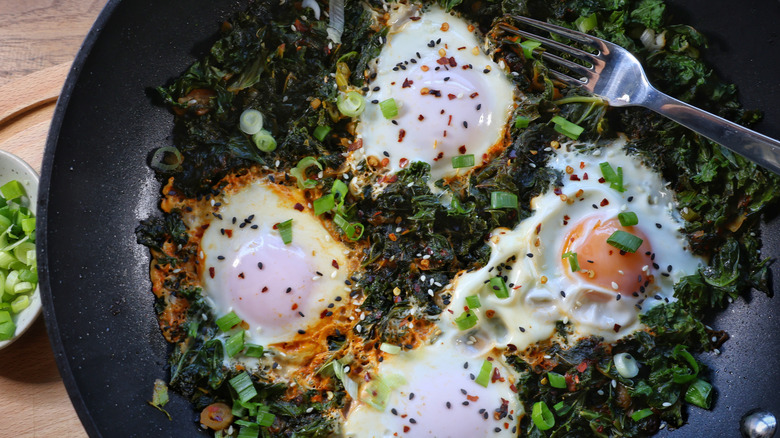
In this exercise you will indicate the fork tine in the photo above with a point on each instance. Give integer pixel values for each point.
(573, 51)
(579, 37)
(566, 79)
(573, 67)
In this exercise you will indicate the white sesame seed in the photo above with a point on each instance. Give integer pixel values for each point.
(615, 286)
(422, 278)
(334, 274)
(666, 404)
(430, 292)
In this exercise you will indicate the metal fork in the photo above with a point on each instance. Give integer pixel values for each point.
(617, 76)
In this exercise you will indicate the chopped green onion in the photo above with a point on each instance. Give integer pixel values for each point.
(23, 287)
(483, 378)
(628, 218)
(522, 122)
(498, 287)
(228, 321)
(11, 280)
(561, 408)
(503, 200)
(244, 387)
(573, 261)
(264, 141)
(251, 121)
(390, 348)
(351, 104)
(299, 172)
(235, 343)
(542, 417)
(389, 108)
(253, 350)
(680, 374)
(248, 430)
(567, 128)
(166, 158)
(12, 190)
(585, 24)
(699, 394)
(640, 414)
(160, 395)
(22, 252)
(265, 418)
(352, 231)
(466, 320)
(556, 380)
(378, 392)
(320, 132)
(340, 189)
(626, 365)
(473, 302)
(28, 225)
(323, 204)
(463, 161)
(624, 241)
(615, 180)
(7, 330)
(285, 230)
(528, 47)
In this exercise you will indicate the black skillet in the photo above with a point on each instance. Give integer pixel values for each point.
(96, 187)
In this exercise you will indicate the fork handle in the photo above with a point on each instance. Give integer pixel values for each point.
(762, 150)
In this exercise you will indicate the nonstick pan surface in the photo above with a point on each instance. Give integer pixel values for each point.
(96, 187)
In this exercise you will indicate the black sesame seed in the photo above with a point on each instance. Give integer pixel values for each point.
(563, 294)
(431, 43)
(449, 405)
(254, 227)
(463, 391)
(472, 376)
(413, 61)
(595, 206)
(658, 226)
(365, 89)
(413, 421)
(375, 101)
(301, 314)
(669, 268)
(289, 289)
(385, 153)
(260, 265)
(438, 41)
(522, 330)
(418, 54)
(465, 124)
(446, 79)
(411, 396)
(331, 305)
(394, 411)
(630, 198)
(465, 403)
(617, 298)
(497, 430)
(301, 332)
(479, 107)
(220, 257)
(337, 298)
(465, 365)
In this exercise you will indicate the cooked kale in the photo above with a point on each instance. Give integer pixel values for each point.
(260, 62)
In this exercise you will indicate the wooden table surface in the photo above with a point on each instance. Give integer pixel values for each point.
(38, 41)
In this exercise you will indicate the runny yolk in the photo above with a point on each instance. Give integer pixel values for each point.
(601, 264)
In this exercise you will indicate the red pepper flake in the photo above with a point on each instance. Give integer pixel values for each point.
(439, 157)
(511, 347)
(574, 178)
(496, 377)
(355, 145)
(421, 117)
(385, 161)
(585, 176)
(229, 233)
(241, 275)
(443, 61)
(295, 306)
(604, 202)
(452, 62)
(602, 180)
(451, 96)
(407, 83)
(472, 398)
(617, 328)
(406, 429)
(299, 206)
(490, 313)
(211, 272)
(436, 93)
(557, 191)
(449, 121)
(392, 237)
(538, 228)
(401, 135)
(300, 27)
(582, 366)
(335, 264)
(415, 18)
(582, 164)
(403, 162)
(513, 388)
(461, 48)
(389, 179)
(445, 133)
(324, 314)
(264, 290)
(473, 95)
(397, 299)
(462, 149)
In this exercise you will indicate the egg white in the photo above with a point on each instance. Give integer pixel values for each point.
(452, 98)
(278, 289)
(529, 256)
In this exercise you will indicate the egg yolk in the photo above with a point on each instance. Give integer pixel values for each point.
(604, 265)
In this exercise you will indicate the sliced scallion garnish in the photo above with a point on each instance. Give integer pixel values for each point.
(228, 321)
(351, 104)
(235, 343)
(498, 287)
(473, 302)
(615, 179)
(624, 241)
(628, 218)
(699, 394)
(463, 161)
(320, 132)
(483, 378)
(250, 122)
(323, 204)
(466, 320)
(390, 348)
(567, 128)
(528, 47)
(166, 158)
(353, 231)
(642, 413)
(541, 416)
(285, 230)
(522, 122)
(299, 172)
(243, 386)
(503, 200)
(264, 141)
(253, 350)
(389, 108)
(573, 261)
(556, 380)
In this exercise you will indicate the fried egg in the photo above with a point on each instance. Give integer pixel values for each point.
(277, 288)
(452, 99)
(605, 293)
(438, 396)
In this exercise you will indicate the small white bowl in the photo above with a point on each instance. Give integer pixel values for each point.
(13, 167)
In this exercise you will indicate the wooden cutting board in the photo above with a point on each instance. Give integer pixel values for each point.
(33, 399)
